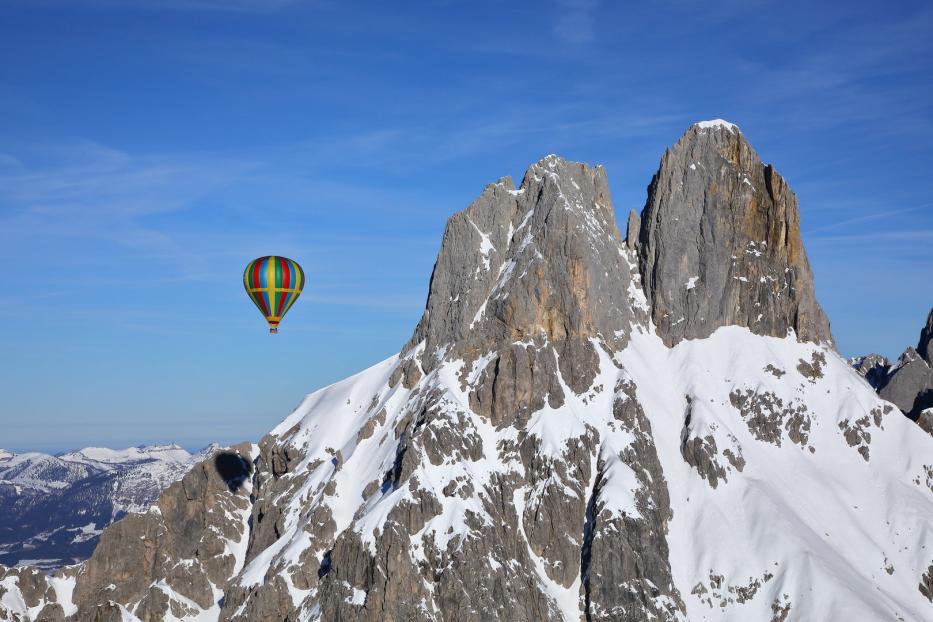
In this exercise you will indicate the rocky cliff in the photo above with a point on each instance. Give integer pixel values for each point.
(720, 243)
(551, 445)
(925, 345)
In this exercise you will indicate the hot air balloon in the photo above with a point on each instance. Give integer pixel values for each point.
(273, 284)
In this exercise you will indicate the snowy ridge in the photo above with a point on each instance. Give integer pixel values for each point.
(805, 518)
(103, 455)
(717, 124)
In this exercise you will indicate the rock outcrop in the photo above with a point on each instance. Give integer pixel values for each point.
(925, 345)
(720, 243)
(873, 368)
(908, 383)
(544, 260)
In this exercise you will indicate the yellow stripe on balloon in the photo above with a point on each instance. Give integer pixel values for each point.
(270, 285)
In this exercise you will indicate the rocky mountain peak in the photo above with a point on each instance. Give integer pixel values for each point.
(720, 243)
(537, 267)
(873, 367)
(925, 346)
(716, 125)
(909, 384)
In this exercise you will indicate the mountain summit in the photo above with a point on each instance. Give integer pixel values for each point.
(581, 427)
(720, 245)
(532, 275)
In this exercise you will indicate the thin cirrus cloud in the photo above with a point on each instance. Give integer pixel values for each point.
(96, 217)
(574, 20)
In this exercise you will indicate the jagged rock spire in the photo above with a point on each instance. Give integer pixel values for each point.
(925, 345)
(543, 263)
(720, 243)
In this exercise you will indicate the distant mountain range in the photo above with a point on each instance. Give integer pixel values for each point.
(53, 508)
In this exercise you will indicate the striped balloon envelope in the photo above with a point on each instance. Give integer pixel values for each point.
(273, 284)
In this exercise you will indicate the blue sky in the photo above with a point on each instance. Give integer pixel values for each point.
(149, 149)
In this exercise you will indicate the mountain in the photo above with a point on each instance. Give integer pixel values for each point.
(925, 345)
(53, 508)
(720, 243)
(581, 427)
(873, 367)
(908, 383)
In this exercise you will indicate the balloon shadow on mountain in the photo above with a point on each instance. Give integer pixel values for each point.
(233, 469)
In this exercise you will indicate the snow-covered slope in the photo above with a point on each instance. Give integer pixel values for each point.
(540, 449)
(829, 514)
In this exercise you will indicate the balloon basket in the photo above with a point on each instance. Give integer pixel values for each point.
(273, 330)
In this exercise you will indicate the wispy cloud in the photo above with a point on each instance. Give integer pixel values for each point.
(874, 215)
(912, 235)
(574, 20)
(94, 218)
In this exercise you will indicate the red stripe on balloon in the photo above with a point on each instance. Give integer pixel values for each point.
(256, 272)
(261, 301)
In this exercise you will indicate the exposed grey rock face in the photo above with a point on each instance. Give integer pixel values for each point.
(770, 419)
(720, 243)
(926, 584)
(717, 592)
(925, 345)
(857, 432)
(703, 454)
(180, 555)
(633, 230)
(873, 367)
(908, 384)
(528, 283)
(624, 564)
(542, 262)
(925, 420)
(33, 588)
